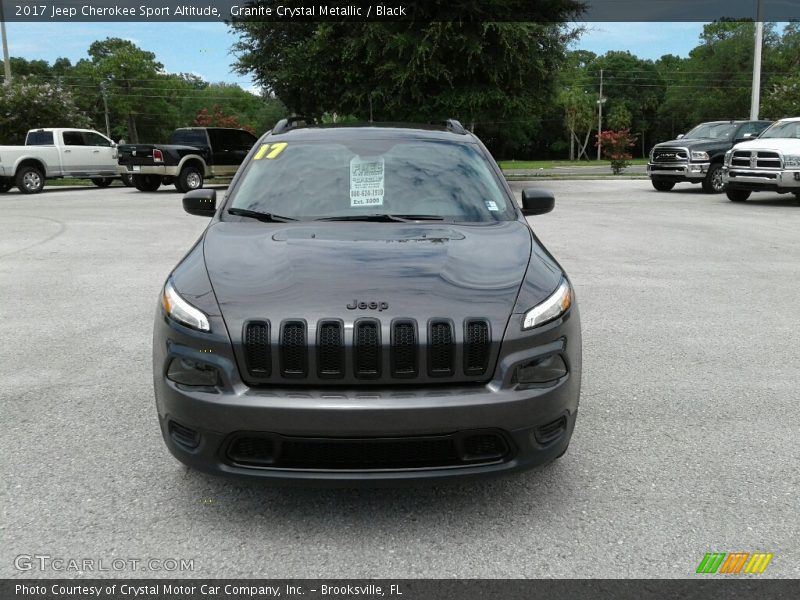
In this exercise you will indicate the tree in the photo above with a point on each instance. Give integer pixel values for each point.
(26, 105)
(634, 88)
(129, 76)
(715, 82)
(494, 77)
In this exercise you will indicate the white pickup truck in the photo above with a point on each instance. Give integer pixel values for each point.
(53, 153)
(770, 163)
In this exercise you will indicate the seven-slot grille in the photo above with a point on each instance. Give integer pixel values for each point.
(756, 159)
(336, 355)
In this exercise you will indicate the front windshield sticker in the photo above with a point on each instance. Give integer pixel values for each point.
(366, 182)
(491, 205)
(270, 151)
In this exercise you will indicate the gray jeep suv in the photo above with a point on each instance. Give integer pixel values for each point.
(368, 304)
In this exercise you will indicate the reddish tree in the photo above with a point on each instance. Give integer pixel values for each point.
(616, 148)
(218, 119)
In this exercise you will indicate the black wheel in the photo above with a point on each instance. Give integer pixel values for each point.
(737, 195)
(5, 185)
(713, 183)
(662, 185)
(127, 179)
(147, 183)
(102, 181)
(189, 179)
(30, 180)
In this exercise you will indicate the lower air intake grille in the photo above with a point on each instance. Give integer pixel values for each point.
(368, 454)
(330, 350)
(293, 349)
(254, 451)
(476, 347)
(257, 348)
(367, 349)
(404, 349)
(353, 454)
(440, 349)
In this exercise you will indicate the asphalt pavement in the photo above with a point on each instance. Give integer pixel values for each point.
(686, 441)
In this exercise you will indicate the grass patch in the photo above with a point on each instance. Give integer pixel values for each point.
(552, 164)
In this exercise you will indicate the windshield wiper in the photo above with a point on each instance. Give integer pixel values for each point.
(261, 216)
(384, 218)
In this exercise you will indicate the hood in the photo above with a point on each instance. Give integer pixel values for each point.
(694, 143)
(345, 270)
(783, 145)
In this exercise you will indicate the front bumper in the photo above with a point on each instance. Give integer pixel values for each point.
(681, 171)
(534, 423)
(761, 179)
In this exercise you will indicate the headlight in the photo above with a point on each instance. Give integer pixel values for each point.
(791, 160)
(698, 155)
(728, 155)
(181, 311)
(556, 305)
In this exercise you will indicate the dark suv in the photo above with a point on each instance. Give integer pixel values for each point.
(697, 157)
(367, 304)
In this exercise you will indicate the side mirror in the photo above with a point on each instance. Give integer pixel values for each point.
(537, 202)
(202, 202)
(680, 135)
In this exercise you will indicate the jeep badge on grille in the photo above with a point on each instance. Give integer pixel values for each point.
(379, 306)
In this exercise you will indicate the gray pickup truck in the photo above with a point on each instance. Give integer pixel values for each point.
(193, 155)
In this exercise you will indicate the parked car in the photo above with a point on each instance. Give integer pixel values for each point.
(697, 156)
(193, 155)
(368, 303)
(769, 164)
(58, 152)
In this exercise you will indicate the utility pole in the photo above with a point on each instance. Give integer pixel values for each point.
(6, 59)
(600, 102)
(755, 98)
(105, 105)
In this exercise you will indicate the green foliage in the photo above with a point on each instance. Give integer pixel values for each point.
(494, 77)
(26, 105)
(619, 117)
(143, 101)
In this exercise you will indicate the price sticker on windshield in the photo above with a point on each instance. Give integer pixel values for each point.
(366, 182)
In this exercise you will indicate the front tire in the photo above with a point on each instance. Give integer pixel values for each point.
(146, 183)
(713, 183)
(30, 180)
(189, 179)
(662, 185)
(102, 182)
(737, 195)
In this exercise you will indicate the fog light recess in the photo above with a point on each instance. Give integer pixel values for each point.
(188, 372)
(545, 369)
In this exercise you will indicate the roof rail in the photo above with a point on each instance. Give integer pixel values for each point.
(285, 125)
(455, 126)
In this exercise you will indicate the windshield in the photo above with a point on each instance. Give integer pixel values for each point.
(783, 129)
(714, 131)
(359, 178)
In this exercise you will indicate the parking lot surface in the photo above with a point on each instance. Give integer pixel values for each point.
(686, 441)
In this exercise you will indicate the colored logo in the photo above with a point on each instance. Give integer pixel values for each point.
(734, 562)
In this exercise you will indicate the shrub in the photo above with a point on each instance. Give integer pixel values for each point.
(616, 148)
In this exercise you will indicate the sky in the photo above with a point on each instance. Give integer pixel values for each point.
(205, 48)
